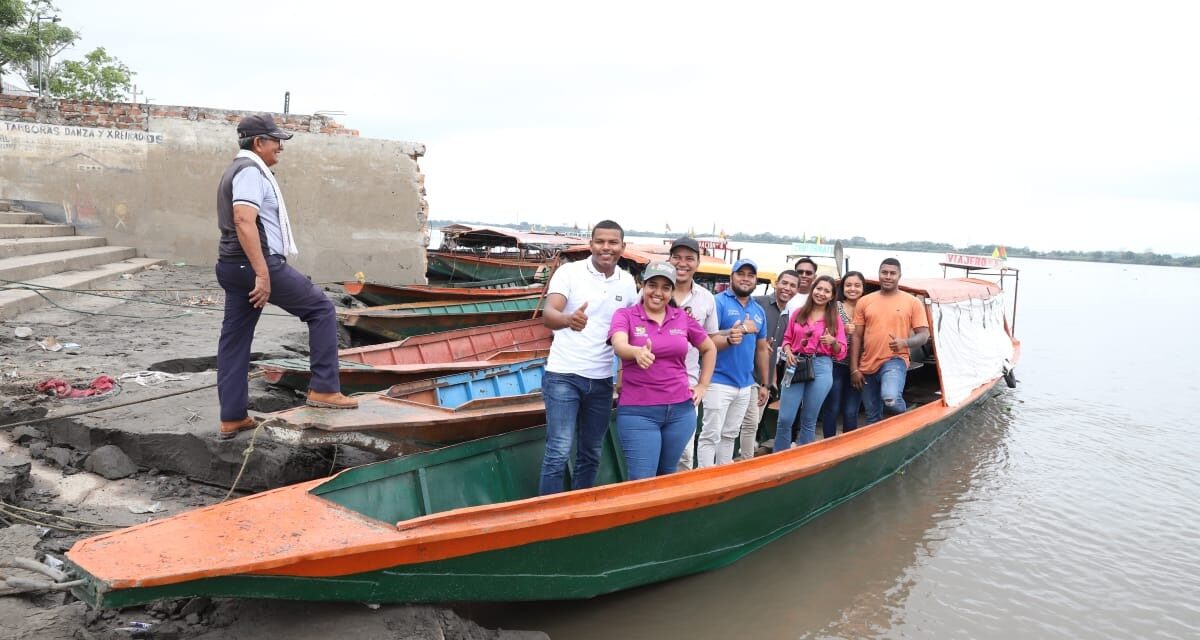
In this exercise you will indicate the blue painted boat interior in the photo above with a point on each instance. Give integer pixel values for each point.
(513, 379)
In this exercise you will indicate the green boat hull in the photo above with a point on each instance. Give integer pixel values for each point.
(463, 268)
(389, 329)
(398, 325)
(580, 566)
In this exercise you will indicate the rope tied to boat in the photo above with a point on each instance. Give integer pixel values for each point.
(245, 459)
(16, 585)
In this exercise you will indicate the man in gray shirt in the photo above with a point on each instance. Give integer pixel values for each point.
(698, 303)
(252, 268)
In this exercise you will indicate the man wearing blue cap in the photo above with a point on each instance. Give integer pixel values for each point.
(744, 348)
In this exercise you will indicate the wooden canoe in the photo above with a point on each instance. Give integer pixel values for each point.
(467, 266)
(379, 366)
(420, 415)
(399, 321)
(373, 293)
(464, 523)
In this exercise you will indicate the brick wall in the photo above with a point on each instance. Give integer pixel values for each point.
(128, 115)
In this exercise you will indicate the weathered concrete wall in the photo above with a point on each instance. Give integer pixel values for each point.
(356, 204)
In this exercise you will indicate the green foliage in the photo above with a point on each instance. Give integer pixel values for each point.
(11, 13)
(24, 39)
(98, 76)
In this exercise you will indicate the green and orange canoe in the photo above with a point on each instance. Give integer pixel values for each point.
(464, 523)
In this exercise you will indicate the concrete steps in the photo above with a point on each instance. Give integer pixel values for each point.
(23, 268)
(12, 247)
(35, 230)
(20, 217)
(15, 300)
(51, 255)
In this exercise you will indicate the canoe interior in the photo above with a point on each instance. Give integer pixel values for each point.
(453, 391)
(485, 471)
(471, 343)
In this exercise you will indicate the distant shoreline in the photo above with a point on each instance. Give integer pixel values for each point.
(1112, 257)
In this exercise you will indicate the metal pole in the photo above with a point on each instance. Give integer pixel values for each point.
(37, 21)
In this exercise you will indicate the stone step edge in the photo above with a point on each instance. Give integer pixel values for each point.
(14, 302)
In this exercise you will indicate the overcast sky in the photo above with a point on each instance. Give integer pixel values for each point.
(1056, 125)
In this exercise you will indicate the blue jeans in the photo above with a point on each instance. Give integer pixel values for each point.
(884, 390)
(577, 412)
(805, 397)
(653, 437)
(843, 400)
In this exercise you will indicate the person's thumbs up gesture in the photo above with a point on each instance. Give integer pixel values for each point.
(828, 338)
(579, 318)
(645, 356)
(735, 333)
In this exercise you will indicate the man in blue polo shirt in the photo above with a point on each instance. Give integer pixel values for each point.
(743, 344)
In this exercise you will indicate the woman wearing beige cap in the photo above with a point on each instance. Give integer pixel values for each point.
(656, 411)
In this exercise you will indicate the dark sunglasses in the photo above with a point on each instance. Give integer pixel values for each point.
(807, 273)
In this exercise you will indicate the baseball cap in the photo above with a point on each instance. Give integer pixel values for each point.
(687, 243)
(656, 269)
(261, 124)
(745, 262)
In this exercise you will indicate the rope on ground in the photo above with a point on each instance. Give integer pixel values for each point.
(38, 288)
(4, 509)
(110, 315)
(245, 459)
(88, 523)
(12, 585)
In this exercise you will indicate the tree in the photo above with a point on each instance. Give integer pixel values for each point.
(98, 76)
(26, 39)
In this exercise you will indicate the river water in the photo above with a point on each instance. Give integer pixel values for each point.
(1066, 508)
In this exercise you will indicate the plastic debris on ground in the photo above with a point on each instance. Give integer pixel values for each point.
(153, 378)
(62, 389)
(49, 343)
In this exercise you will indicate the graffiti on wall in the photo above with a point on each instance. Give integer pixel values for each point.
(71, 148)
(55, 167)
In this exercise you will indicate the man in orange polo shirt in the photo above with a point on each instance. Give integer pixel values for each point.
(887, 323)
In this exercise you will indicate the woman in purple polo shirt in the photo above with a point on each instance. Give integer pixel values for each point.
(656, 412)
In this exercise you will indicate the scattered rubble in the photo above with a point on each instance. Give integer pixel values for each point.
(109, 461)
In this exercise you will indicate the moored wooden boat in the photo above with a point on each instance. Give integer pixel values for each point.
(355, 377)
(420, 415)
(455, 265)
(373, 293)
(399, 321)
(464, 523)
(379, 366)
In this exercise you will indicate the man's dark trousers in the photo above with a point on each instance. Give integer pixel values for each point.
(292, 292)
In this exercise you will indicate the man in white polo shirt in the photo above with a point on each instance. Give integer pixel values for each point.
(578, 385)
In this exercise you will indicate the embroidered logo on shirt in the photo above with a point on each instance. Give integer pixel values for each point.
(677, 332)
(639, 331)
(618, 298)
